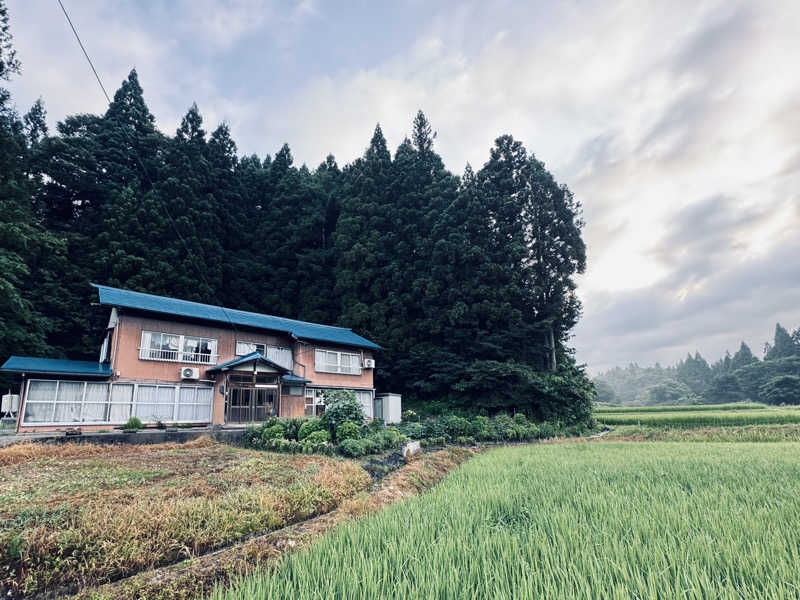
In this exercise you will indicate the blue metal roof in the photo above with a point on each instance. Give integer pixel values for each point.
(56, 366)
(295, 379)
(246, 359)
(184, 308)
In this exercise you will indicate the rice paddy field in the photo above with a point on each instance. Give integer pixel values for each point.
(650, 520)
(725, 415)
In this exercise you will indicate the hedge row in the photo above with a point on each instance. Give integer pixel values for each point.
(500, 428)
(309, 436)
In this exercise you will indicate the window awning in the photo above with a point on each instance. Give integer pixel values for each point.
(292, 378)
(56, 366)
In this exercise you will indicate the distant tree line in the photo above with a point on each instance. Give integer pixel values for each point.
(737, 378)
(466, 282)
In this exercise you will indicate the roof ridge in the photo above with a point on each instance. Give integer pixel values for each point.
(239, 310)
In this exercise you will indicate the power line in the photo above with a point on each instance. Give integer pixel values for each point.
(189, 253)
(86, 54)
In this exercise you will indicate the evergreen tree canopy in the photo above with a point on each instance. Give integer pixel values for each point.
(466, 282)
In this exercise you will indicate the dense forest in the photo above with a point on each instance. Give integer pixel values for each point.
(467, 282)
(736, 378)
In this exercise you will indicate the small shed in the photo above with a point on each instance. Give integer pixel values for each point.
(388, 407)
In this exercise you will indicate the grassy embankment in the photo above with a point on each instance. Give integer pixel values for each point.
(77, 515)
(571, 520)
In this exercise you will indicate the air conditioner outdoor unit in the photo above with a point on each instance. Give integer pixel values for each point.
(190, 373)
(369, 363)
(10, 403)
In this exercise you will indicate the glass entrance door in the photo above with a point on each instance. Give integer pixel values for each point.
(263, 404)
(249, 404)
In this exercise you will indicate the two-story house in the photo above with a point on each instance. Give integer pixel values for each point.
(174, 361)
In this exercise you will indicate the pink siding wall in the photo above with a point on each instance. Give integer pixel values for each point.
(125, 360)
(129, 338)
(304, 353)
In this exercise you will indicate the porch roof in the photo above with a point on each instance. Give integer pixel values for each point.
(292, 378)
(56, 366)
(253, 356)
(110, 296)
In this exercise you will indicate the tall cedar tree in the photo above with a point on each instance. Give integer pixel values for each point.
(467, 284)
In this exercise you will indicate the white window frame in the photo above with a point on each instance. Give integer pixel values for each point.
(109, 403)
(324, 364)
(146, 352)
(266, 352)
(317, 397)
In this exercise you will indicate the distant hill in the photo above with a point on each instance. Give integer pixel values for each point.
(775, 379)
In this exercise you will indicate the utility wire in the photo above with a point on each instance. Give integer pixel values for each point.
(144, 170)
(86, 54)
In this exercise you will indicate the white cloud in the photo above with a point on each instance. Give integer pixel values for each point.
(646, 110)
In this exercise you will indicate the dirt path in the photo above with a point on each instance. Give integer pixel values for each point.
(196, 577)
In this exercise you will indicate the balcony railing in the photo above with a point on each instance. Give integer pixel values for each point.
(201, 358)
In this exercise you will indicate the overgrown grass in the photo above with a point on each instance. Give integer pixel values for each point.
(608, 409)
(710, 418)
(574, 520)
(748, 433)
(72, 517)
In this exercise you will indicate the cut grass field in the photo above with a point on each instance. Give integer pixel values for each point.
(678, 417)
(571, 520)
(79, 515)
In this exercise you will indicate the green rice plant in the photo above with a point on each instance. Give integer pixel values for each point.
(691, 419)
(652, 521)
(606, 409)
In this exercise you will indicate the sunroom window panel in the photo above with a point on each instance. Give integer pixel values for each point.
(166, 395)
(68, 402)
(94, 413)
(119, 410)
(204, 396)
(187, 395)
(37, 412)
(97, 392)
(42, 391)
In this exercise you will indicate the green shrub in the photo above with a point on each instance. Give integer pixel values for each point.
(292, 427)
(252, 437)
(505, 428)
(308, 427)
(348, 431)
(316, 437)
(373, 426)
(414, 430)
(133, 423)
(433, 428)
(275, 432)
(482, 428)
(372, 445)
(351, 447)
(434, 441)
(533, 433)
(455, 426)
(341, 406)
(465, 440)
(546, 430)
(325, 448)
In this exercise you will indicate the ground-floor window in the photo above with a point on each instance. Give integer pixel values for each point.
(315, 401)
(52, 402)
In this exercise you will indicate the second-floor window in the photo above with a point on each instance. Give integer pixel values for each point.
(329, 361)
(278, 354)
(178, 348)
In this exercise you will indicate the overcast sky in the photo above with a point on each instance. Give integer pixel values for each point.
(676, 124)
